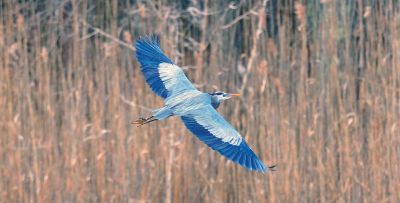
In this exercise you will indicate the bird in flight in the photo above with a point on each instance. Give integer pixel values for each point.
(196, 109)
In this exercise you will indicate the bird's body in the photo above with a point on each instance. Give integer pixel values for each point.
(196, 109)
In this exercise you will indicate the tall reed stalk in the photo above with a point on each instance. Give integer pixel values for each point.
(320, 82)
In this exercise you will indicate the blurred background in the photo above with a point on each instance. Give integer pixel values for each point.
(320, 84)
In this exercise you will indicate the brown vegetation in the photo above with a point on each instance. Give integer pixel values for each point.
(321, 99)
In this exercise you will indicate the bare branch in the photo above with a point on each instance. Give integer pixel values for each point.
(108, 36)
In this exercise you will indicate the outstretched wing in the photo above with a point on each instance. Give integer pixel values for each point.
(164, 77)
(217, 133)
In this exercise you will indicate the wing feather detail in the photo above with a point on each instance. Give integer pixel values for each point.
(219, 135)
(163, 76)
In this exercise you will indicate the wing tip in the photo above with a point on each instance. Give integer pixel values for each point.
(148, 51)
(153, 39)
(260, 167)
(254, 164)
(240, 154)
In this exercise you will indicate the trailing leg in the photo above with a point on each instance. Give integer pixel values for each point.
(158, 115)
(141, 121)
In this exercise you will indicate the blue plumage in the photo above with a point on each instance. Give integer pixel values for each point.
(196, 109)
(240, 154)
(149, 55)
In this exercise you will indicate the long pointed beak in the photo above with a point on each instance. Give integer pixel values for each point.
(236, 95)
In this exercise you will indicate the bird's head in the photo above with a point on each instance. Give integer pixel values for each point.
(219, 96)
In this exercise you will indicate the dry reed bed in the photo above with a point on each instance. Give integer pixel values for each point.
(321, 86)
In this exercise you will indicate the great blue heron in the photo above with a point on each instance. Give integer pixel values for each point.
(196, 109)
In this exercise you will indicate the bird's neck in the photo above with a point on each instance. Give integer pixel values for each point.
(215, 102)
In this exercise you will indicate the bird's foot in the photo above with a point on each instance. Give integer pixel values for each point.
(141, 121)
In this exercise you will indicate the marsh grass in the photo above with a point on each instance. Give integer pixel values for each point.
(321, 99)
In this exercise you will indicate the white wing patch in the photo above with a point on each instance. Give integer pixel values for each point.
(219, 128)
(174, 79)
(168, 74)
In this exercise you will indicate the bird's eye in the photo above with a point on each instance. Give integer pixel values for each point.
(218, 93)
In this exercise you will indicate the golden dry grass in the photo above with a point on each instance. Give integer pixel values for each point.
(321, 86)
